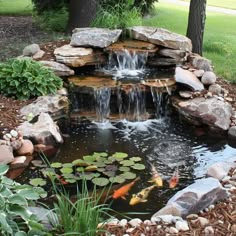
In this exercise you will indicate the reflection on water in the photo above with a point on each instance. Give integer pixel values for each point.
(164, 142)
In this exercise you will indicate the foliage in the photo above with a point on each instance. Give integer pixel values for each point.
(117, 15)
(53, 20)
(81, 217)
(24, 79)
(15, 198)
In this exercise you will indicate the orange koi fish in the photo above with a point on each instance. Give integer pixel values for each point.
(174, 179)
(61, 180)
(121, 192)
(156, 178)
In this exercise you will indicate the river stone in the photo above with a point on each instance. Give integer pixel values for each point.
(44, 131)
(58, 68)
(31, 49)
(215, 89)
(161, 37)
(198, 73)
(27, 148)
(188, 78)
(232, 132)
(220, 169)
(209, 111)
(6, 154)
(56, 105)
(38, 55)
(196, 197)
(94, 37)
(20, 162)
(200, 63)
(208, 78)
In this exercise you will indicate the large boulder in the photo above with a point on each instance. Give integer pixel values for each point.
(94, 37)
(56, 105)
(188, 78)
(44, 131)
(78, 56)
(208, 111)
(6, 154)
(194, 198)
(58, 68)
(161, 37)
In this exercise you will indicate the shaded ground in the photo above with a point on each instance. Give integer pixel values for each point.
(15, 34)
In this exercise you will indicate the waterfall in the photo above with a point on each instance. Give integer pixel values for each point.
(102, 103)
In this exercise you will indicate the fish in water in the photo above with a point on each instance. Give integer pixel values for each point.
(141, 196)
(174, 179)
(122, 191)
(156, 178)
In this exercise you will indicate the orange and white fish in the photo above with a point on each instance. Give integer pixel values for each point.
(156, 178)
(122, 191)
(141, 196)
(174, 179)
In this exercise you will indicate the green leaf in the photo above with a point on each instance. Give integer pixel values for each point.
(3, 169)
(100, 181)
(124, 168)
(127, 163)
(66, 170)
(91, 168)
(80, 169)
(20, 233)
(19, 211)
(56, 165)
(4, 225)
(17, 199)
(89, 158)
(128, 175)
(120, 155)
(117, 179)
(136, 159)
(29, 194)
(138, 166)
(38, 182)
(70, 165)
(80, 162)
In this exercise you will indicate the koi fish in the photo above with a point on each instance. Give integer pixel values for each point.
(61, 180)
(121, 192)
(174, 179)
(141, 196)
(156, 178)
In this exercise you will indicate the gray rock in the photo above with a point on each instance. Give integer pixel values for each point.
(135, 222)
(161, 37)
(176, 54)
(173, 230)
(44, 131)
(212, 112)
(188, 78)
(199, 73)
(232, 132)
(31, 49)
(220, 169)
(208, 78)
(215, 89)
(196, 197)
(94, 37)
(185, 94)
(55, 105)
(200, 63)
(58, 68)
(168, 219)
(182, 225)
(6, 154)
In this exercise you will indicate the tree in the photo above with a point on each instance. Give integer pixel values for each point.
(196, 24)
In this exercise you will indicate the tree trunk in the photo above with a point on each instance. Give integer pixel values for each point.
(196, 24)
(81, 13)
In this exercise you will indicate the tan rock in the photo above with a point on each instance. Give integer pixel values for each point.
(27, 148)
(6, 154)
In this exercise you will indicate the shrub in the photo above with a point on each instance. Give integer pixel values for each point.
(25, 78)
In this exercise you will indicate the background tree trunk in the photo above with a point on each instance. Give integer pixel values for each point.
(196, 24)
(81, 13)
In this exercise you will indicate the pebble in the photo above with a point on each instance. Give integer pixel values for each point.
(173, 230)
(130, 230)
(5, 137)
(123, 222)
(147, 222)
(14, 133)
(203, 221)
(113, 221)
(220, 222)
(233, 228)
(182, 225)
(209, 231)
(147, 228)
(212, 206)
(159, 226)
(226, 178)
(192, 216)
(125, 234)
(135, 222)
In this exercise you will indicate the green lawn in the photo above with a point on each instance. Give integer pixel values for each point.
(15, 7)
(219, 38)
(220, 3)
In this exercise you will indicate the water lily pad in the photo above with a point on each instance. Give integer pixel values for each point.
(107, 161)
(127, 163)
(91, 168)
(117, 179)
(48, 172)
(101, 169)
(38, 182)
(38, 163)
(89, 158)
(120, 155)
(80, 162)
(100, 181)
(80, 169)
(68, 176)
(101, 154)
(111, 168)
(56, 165)
(67, 165)
(138, 166)
(99, 164)
(66, 170)
(124, 168)
(109, 173)
(128, 175)
(136, 159)
(71, 181)
(100, 159)
(113, 159)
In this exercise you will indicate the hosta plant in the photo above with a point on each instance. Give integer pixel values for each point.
(15, 216)
(25, 78)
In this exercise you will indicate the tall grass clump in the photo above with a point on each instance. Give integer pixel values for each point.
(119, 15)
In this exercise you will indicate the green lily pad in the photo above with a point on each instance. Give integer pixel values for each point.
(56, 165)
(107, 161)
(127, 163)
(38, 163)
(101, 169)
(38, 182)
(66, 170)
(68, 176)
(120, 155)
(124, 168)
(109, 173)
(138, 166)
(136, 159)
(91, 168)
(112, 158)
(80, 162)
(99, 164)
(69, 165)
(128, 175)
(111, 168)
(71, 181)
(89, 158)
(117, 179)
(100, 159)
(80, 169)
(48, 172)
(100, 181)
(101, 154)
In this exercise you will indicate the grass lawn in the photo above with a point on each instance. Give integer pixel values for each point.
(220, 3)
(15, 7)
(219, 38)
